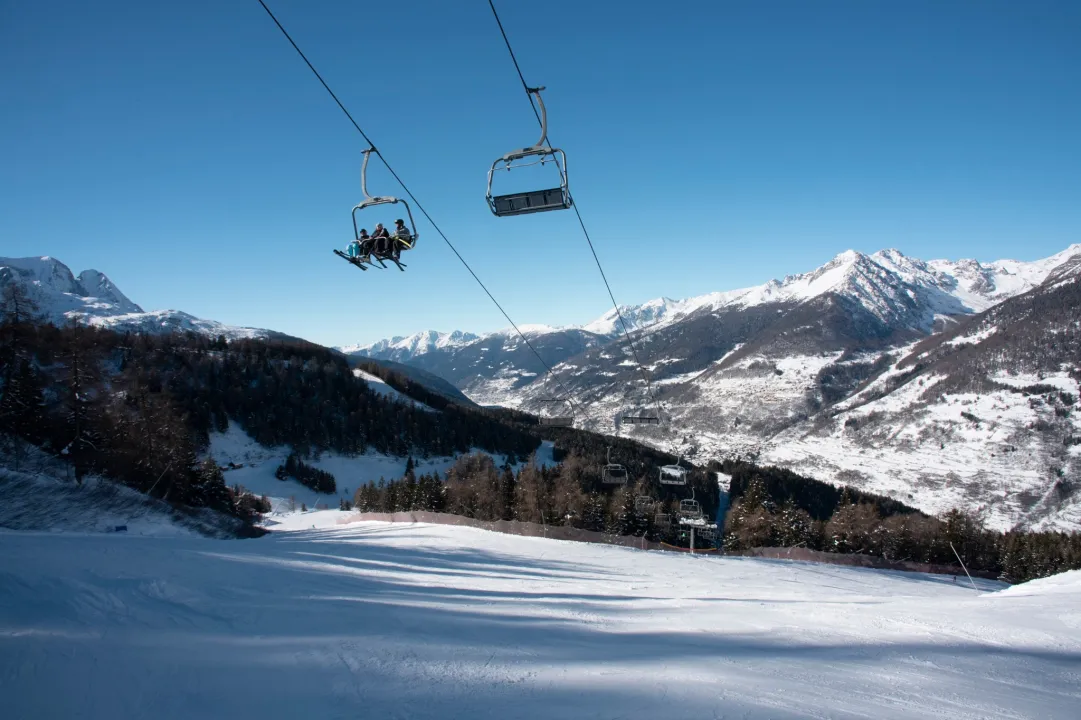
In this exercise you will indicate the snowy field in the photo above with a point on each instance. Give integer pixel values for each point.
(374, 620)
(258, 464)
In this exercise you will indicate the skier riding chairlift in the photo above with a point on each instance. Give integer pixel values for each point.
(385, 246)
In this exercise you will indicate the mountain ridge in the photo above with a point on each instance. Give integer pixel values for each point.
(962, 286)
(92, 298)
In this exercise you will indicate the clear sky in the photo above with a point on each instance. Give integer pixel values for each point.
(186, 151)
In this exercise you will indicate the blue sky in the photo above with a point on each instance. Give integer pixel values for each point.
(185, 150)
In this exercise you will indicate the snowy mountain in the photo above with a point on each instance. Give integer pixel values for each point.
(92, 298)
(765, 371)
(404, 348)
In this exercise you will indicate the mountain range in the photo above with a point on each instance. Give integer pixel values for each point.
(868, 370)
(93, 299)
(940, 383)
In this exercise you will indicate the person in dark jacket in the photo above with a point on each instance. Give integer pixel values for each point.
(381, 238)
(402, 236)
(365, 243)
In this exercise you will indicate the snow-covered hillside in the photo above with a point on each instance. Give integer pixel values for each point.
(883, 282)
(252, 466)
(93, 299)
(403, 348)
(413, 621)
(766, 372)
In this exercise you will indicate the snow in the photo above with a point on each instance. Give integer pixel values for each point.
(46, 503)
(1067, 583)
(378, 385)
(418, 621)
(350, 472)
(1060, 380)
(92, 298)
(974, 338)
(413, 345)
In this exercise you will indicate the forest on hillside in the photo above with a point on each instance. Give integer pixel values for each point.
(139, 408)
(770, 507)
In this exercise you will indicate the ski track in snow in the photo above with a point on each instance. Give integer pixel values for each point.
(420, 621)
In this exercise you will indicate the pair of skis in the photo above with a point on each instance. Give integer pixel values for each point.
(362, 261)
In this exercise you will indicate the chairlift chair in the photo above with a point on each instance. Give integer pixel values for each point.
(613, 473)
(552, 419)
(690, 509)
(662, 518)
(541, 153)
(371, 202)
(708, 532)
(643, 504)
(673, 474)
(640, 419)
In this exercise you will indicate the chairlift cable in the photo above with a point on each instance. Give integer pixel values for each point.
(408, 192)
(581, 222)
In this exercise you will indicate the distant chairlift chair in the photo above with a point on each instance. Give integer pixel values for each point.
(541, 153)
(673, 474)
(690, 509)
(613, 473)
(552, 419)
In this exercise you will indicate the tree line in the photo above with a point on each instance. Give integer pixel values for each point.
(765, 515)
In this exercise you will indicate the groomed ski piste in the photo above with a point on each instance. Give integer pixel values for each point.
(322, 619)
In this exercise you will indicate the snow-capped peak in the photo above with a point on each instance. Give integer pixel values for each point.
(410, 346)
(885, 283)
(92, 298)
(97, 284)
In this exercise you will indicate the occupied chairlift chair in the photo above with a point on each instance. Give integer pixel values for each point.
(613, 473)
(541, 153)
(370, 201)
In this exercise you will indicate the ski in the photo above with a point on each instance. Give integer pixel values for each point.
(350, 260)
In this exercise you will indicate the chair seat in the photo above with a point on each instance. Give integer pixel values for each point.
(529, 202)
(566, 421)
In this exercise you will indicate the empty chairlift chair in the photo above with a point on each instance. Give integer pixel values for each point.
(673, 474)
(690, 510)
(558, 412)
(522, 203)
(641, 419)
(613, 473)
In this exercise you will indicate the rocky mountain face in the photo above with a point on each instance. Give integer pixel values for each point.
(92, 298)
(781, 372)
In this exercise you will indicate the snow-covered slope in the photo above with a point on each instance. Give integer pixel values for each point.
(252, 466)
(436, 622)
(37, 493)
(92, 298)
